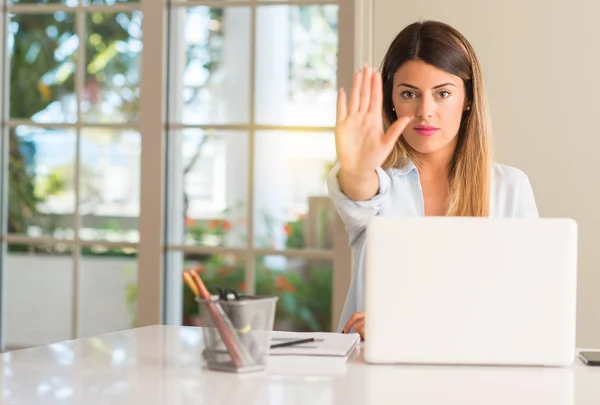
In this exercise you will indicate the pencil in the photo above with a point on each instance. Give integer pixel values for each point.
(239, 356)
(292, 343)
(190, 283)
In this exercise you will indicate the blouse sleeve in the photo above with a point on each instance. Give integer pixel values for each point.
(356, 214)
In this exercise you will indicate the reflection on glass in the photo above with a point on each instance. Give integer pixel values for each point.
(207, 200)
(41, 192)
(38, 287)
(292, 207)
(43, 50)
(209, 73)
(304, 288)
(223, 271)
(296, 72)
(108, 289)
(110, 184)
(70, 3)
(113, 48)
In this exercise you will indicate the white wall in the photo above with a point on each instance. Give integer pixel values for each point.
(540, 62)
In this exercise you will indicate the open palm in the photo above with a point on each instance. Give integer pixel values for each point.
(361, 143)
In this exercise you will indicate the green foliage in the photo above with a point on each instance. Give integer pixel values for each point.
(42, 69)
(53, 184)
(295, 234)
(22, 201)
(103, 251)
(131, 294)
(304, 296)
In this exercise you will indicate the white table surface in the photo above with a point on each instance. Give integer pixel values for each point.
(162, 365)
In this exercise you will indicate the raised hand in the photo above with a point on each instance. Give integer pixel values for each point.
(360, 141)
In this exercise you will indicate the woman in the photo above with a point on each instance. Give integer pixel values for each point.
(414, 140)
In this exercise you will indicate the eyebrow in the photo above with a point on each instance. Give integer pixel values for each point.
(435, 87)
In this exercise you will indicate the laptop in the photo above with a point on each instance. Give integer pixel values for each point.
(465, 290)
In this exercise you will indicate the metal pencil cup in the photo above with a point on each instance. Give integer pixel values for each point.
(251, 319)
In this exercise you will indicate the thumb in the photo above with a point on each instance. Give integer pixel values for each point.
(394, 131)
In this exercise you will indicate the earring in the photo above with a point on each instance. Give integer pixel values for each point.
(393, 109)
(468, 108)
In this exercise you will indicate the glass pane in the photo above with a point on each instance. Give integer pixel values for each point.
(41, 192)
(208, 188)
(110, 184)
(304, 288)
(43, 50)
(223, 271)
(292, 207)
(296, 72)
(39, 295)
(209, 65)
(112, 75)
(108, 289)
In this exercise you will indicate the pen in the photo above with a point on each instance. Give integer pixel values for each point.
(292, 343)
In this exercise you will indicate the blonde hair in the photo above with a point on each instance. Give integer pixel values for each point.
(440, 45)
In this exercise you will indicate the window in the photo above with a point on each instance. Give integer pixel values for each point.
(71, 94)
(252, 98)
(134, 153)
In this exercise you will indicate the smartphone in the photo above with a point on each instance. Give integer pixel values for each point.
(590, 358)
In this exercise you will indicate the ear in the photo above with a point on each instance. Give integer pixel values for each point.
(467, 104)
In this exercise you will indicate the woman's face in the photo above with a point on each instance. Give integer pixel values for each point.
(436, 99)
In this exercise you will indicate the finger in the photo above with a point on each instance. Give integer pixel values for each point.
(342, 110)
(365, 92)
(349, 324)
(357, 316)
(359, 327)
(355, 94)
(394, 131)
(376, 104)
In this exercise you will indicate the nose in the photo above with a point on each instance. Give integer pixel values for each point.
(426, 107)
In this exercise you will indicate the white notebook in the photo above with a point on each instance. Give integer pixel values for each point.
(325, 344)
(327, 355)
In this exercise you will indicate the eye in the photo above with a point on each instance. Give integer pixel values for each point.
(444, 94)
(408, 94)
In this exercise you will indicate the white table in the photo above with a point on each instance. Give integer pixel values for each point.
(162, 365)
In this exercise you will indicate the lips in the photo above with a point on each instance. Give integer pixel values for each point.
(426, 130)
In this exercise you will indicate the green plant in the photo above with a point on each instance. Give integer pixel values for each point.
(304, 297)
(295, 234)
(42, 73)
(131, 294)
(53, 184)
(215, 231)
